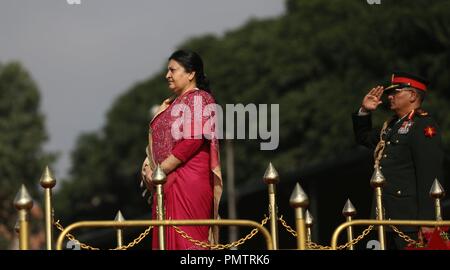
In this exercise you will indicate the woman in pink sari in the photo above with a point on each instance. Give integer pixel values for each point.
(183, 142)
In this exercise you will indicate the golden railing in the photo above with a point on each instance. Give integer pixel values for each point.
(144, 223)
(363, 222)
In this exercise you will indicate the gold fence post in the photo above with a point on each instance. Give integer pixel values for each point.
(23, 202)
(159, 179)
(437, 192)
(348, 211)
(271, 178)
(309, 220)
(299, 200)
(47, 181)
(377, 182)
(119, 230)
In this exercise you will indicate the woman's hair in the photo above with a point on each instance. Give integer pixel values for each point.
(191, 61)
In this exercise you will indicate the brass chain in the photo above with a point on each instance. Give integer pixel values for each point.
(420, 243)
(312, 245)
(220, 246)
(136, 241)
(288, 228)
(357, 239)
(407, 238)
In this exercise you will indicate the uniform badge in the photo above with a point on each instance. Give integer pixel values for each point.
(404, 129)
(429, 131)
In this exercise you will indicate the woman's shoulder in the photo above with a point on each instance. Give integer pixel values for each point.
(203, 94)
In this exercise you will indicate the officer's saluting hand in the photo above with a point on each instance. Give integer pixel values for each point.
(372, 99)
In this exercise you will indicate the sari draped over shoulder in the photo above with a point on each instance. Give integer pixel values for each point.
(193, 190)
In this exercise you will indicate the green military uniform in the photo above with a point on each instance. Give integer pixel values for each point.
(412, 158)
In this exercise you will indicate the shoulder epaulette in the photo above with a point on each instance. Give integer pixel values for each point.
(421, 112)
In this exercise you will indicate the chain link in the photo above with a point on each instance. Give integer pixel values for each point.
(136, 241)
(220, 246)
(285, 225)
(420, 243)
(357, 239)
(407, 238)
(312, 245)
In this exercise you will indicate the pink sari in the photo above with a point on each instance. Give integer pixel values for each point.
(193, 190)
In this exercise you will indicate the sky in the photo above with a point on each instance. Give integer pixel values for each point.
(83, 56)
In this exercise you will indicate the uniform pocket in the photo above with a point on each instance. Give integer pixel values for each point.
(399, 191)
(400, 207)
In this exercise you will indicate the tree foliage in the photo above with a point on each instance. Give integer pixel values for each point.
(22, 134)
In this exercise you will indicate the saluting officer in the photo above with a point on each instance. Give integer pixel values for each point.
(408, 150)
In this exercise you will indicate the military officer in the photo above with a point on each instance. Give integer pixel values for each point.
(407, 148)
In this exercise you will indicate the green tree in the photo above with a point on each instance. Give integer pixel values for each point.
(22, 134)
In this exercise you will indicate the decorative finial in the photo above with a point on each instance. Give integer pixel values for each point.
(23, 199)
(437, 191)
(377, 179)
(119, 216)
(298, 197)
(348, 210)
(309, 220)
(158, 176)
(47, 178)
(271, 175)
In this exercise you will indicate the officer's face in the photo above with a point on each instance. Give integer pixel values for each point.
(400, 99)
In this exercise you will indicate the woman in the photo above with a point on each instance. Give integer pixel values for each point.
(182, 142)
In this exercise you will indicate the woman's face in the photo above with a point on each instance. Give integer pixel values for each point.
(177, 77)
